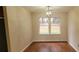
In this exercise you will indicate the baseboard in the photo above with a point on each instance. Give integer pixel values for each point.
(73, 47)
(26, 46)
(51, 41)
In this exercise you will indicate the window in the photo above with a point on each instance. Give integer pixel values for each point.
(55, 25)
(49, 26)
(44, 26)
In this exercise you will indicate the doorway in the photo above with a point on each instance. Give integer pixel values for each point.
(3, 41)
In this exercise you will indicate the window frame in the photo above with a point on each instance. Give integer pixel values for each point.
(49, 27)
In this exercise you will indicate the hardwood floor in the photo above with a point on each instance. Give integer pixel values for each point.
(49, 47)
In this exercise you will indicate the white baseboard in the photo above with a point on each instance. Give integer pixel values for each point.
(47, 40)
(73, 46)
(26, 46)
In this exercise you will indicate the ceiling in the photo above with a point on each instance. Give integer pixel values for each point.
(44, 8)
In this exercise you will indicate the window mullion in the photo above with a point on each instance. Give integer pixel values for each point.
(49, 26)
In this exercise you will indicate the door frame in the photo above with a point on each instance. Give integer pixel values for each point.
(6, 28)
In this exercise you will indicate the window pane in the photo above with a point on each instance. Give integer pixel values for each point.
(55, 26)
(44, 30)
(56, 20)
(44, 26)
(55, 29)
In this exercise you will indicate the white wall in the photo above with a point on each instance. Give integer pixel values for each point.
(62, 37)
(20, 27)
(73, 28)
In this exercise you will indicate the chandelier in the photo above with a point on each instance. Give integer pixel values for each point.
(49, 11)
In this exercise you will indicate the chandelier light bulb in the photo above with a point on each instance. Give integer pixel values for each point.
(48, 13)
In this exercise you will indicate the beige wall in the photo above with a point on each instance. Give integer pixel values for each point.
(73, 28)
(21, 22)
(62, 37)
(20, 27)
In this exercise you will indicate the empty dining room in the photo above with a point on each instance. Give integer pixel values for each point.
(41, 28)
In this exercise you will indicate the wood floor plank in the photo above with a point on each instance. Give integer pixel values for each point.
(49, 47)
